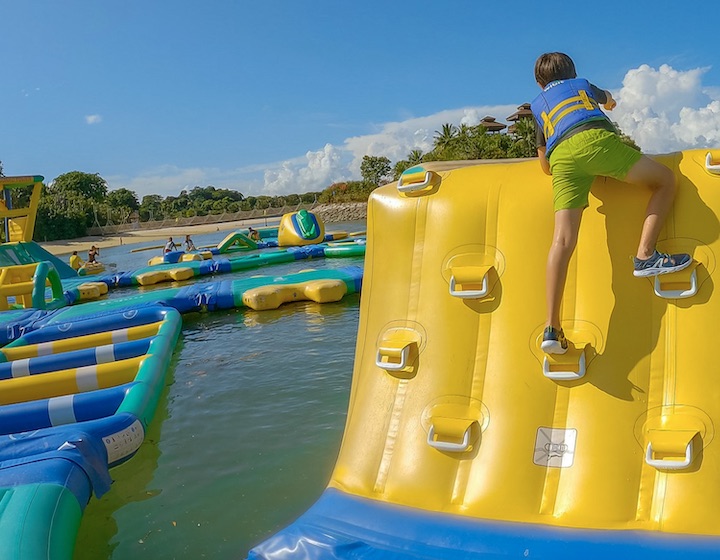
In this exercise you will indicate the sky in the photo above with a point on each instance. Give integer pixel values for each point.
(286, 96)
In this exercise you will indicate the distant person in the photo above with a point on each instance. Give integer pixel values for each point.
(75, 261)
(253, 234)
(92, 254)
(189, 245)
(170, 245)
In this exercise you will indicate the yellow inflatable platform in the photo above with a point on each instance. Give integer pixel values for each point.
(463, 440)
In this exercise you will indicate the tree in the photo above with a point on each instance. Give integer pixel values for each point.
(445, 136)
(90, 186)
(624, 138)
(374, 169)
(151, 207)
(309, 197)
(525, 138)
(415, 157)
(61, 215)
(123, 197)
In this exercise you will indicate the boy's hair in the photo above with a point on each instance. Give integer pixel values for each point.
(554, 66)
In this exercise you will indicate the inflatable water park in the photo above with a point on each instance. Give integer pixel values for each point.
(462, 438)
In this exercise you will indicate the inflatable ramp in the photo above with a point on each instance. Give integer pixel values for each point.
(464, 441)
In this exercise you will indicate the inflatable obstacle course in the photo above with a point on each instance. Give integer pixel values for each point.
(78, 386)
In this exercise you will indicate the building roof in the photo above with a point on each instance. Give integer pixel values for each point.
(522, 112)
(491, 125)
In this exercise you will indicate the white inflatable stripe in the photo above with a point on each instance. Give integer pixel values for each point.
(120, 335)
(60, 410)
(20, 368)
(45, 349)
(105, 354)
(86, 378)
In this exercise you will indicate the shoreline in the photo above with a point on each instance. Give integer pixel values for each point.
(329, 213)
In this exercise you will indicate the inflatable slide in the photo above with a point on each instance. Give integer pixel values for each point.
(463, 440)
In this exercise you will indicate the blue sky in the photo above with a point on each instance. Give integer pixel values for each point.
(286, 96)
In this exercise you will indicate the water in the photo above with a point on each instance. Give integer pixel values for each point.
(246, 434)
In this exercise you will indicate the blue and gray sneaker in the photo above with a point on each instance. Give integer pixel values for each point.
(661, 263)
(554, 341)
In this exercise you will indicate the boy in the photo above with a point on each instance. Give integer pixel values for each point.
(253, 234)
(577, 144)
(75, 261)
(170, 246)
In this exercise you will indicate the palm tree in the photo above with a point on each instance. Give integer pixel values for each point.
(525, 133)
(415, 157)
(444, 137)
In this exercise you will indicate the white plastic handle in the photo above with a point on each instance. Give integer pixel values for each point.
(564, 375)
(415, 186)
(390, 366)
(709, 166)
(677, 294)
(669, 465)
(447, 445)
(469, 294)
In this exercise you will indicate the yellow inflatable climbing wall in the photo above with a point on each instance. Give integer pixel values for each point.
(453, 407)
(462, 438)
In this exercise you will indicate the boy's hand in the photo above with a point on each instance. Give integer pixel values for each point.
(610, 104)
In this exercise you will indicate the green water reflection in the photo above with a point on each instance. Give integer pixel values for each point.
(243, 442)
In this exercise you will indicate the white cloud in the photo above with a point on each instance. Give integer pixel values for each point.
(93, 119)
(170, 180)
(320, 169)
(666, 110)
(394, 140)
(663, 109)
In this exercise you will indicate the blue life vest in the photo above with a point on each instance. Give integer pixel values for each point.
(563, 105)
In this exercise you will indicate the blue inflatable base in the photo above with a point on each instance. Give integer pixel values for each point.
(341, 526)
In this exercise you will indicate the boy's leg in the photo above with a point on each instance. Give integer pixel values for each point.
(567, 225)
(661, 181)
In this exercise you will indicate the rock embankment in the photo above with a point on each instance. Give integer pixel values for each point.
(341, 211)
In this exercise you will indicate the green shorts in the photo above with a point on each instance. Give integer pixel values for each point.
(576, 161)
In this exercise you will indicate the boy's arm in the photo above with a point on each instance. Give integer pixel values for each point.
(544, 163)
(603, 97)
(610, 103)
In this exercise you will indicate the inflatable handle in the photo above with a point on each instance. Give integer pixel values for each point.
(670, 465)
(709, 166)
(390, 366)
(415, 186)
(678, 294)
(565, 375)
(469, 294)
(449, 446)
(45, 271)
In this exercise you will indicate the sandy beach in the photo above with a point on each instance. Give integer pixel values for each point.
(327, 212)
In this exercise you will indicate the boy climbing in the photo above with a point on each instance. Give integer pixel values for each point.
(576, 143)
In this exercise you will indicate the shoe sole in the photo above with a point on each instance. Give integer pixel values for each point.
(660, 271)
(552, 347)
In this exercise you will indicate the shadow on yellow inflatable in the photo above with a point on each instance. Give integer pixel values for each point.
(464, 441)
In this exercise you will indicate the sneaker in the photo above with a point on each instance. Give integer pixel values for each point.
(661, 263)
(554, 341)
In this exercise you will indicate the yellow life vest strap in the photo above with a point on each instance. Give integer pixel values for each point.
(580, 101)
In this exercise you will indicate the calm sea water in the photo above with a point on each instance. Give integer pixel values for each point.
(246, 434)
